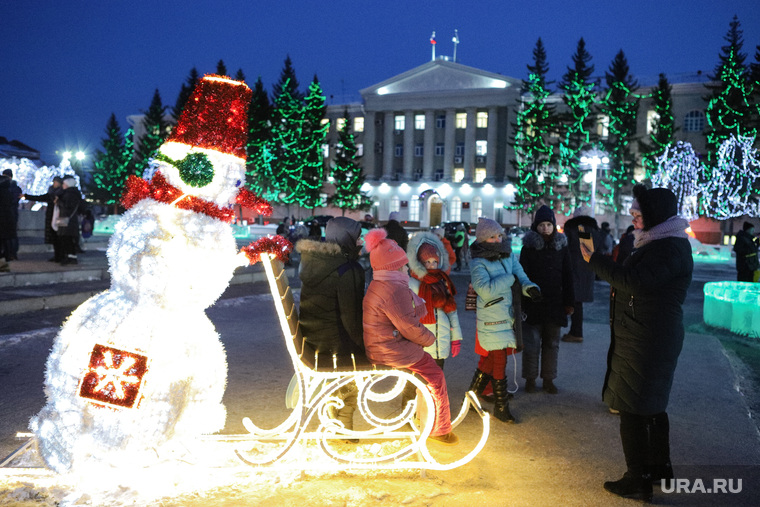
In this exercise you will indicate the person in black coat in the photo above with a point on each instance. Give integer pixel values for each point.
(546, 260)
(745, 248)
(646, 316)
(51, 236)
(396, 231)
(8, 222)
(69, 205)
(583, 277)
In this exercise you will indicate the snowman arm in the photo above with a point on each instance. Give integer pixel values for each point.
(272, 245)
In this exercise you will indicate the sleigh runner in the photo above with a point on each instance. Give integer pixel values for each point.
(319, 378)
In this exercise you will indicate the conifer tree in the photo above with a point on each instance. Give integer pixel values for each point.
(111, 166)
(534, 153)
(156, 131)
(579, 95)
(221, 68)
(621, 106)
(347, 173)
(663, 127)
(312, 139)
(185, 92)
(239, 76)
(287, 148)
(288, 79)
(259, 169)
(729, 110)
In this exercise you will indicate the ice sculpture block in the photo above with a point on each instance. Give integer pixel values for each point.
(734, 306)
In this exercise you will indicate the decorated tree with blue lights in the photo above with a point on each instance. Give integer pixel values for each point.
(678, 168)
(579, 95)
(730, 109)
(727, 192)
(156, 131)
(620, 105)
(535, 155)
(662, 128)
(111, 165)
(184, 93)
(346, 173)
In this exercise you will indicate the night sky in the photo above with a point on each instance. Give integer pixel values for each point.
(68, 65)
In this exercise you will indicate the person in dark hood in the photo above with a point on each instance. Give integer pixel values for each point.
(396, 231)
(546, 260)
(332, 291)
(14, 192)
(583, 277)
(69, 204)
(646, 315)
(745, 248)
(51, 236)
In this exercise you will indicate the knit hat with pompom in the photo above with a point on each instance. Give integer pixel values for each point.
(384, 253)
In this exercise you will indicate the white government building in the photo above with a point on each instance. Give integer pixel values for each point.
(435, 141)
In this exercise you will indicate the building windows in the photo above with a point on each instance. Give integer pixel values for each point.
(603, 126)
(439, 148)
(455, 214)
(438, 174)
(325, 121)
(399, 150)
(481, 148)
(652, 119)
(481, 120)
(414, 210)
(461, 120)
(480, 174)
(694, 121)
(459, 150)
(399, 122)
(476, 209)
(419, 122)
(440, 121)
(340, 124)
(418, 150)
(395, 203)
(359, 124)
(458, 174)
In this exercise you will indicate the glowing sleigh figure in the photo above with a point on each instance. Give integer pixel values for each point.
(318, 384)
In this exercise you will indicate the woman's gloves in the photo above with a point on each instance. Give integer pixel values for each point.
(534, 294)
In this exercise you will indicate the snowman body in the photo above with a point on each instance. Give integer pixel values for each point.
(140, 367)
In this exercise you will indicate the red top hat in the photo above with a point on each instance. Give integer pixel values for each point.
(215, 116)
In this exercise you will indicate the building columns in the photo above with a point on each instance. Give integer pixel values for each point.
(428, 147)
(388, 146)
(449, 144)
(469, 144)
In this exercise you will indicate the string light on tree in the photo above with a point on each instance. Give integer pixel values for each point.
(678, 169)
(728, 190)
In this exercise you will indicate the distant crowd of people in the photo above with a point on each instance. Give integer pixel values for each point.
(407, 317)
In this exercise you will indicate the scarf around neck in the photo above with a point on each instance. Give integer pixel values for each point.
(385, 275)
(673, 227)
(437, 289)
(491, 251)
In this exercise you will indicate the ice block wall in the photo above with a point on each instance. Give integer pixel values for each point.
(734, 306)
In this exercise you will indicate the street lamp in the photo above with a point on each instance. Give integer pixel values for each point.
(594, 160)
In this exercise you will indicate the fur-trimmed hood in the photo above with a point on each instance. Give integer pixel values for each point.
(534, 240)
(319, 259)
(415, 242)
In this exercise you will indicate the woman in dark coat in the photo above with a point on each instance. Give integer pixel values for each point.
(51, 237)
(332, 292)
(7, 218)
(546, 260)
(647, 295)
(69, 205)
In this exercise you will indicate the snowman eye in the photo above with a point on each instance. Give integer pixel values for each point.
(238, 183)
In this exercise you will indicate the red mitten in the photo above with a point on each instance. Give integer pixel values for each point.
(455, 348)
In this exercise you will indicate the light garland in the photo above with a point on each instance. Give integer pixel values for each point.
(679, 168)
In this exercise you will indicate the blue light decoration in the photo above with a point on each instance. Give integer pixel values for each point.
(728, 187)
(734, 306)
(678, 169)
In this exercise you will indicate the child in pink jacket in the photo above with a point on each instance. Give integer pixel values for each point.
(393, 334)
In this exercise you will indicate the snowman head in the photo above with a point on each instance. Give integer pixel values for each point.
(205, 154)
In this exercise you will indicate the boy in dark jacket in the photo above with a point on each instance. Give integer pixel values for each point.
(546, 260)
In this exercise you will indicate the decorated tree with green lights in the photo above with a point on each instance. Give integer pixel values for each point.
(662, 128)
(347, 174)
(678, 168)
(111, 165)
(620, 105)
(184, 93)
(156, 131)
(313, 139)
(730, 109)
(579, 95)
(754, 79)
(535, 155)
(259, 171)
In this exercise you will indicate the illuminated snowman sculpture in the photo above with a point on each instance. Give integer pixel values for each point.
(139, 368)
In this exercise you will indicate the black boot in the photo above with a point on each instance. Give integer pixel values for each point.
(501, 402)
(659, 449)
(632, 486)
(479, 382)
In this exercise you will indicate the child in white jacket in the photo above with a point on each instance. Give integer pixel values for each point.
(429, 266)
